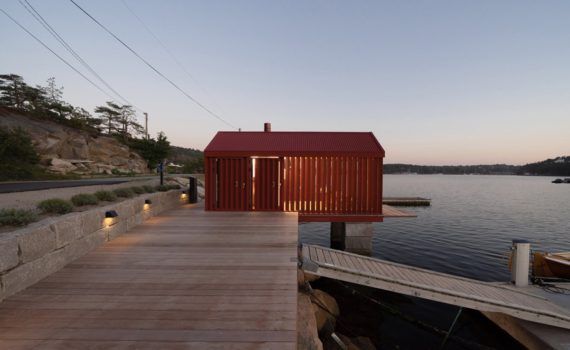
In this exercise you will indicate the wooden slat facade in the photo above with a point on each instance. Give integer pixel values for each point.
(188, 279)
(347, 186)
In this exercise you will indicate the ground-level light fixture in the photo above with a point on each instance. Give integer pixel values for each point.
(147, 201)
(111, 214)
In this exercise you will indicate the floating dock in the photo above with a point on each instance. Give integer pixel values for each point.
(426, 284)
(536, 336)
(407, 201)
(187, 279)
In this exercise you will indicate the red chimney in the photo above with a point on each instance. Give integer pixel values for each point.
(267, 127)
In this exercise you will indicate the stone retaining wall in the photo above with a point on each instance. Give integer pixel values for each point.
(30, 254)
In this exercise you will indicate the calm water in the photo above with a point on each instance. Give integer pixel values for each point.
(467, 232)
(469, 227)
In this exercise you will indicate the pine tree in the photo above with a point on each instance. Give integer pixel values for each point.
(110, 114)
(54, 100)
(83, 119)
(12, 88)
(129, 122)
(34, 99)
(154, 151)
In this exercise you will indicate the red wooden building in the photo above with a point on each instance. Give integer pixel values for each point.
(325, 176)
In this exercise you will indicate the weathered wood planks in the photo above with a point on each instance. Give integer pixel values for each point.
(187, 279)
(449, 289)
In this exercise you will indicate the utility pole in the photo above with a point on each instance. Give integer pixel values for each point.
(146, 124)
(161, 171)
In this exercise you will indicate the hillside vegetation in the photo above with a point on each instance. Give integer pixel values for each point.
(70, 140)
(18, 157)
(559, 166)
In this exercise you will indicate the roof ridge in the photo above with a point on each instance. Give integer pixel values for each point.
(297, 132)
(245, 143)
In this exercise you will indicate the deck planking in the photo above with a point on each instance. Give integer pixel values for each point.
(185, 279)
(440, 287)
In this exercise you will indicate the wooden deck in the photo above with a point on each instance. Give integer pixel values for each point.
(387, 212)
(483, 296)
(186, 279)
(391, 212)
(407, 201)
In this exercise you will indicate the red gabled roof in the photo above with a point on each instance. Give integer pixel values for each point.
(283, 143)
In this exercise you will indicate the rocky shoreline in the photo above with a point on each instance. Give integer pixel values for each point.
(318, 315)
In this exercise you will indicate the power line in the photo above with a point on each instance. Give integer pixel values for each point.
(68, 47)
(58, 56)
(154, 69)
(168, 51)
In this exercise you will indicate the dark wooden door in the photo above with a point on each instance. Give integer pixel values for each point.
(267, 184)
(232, 183)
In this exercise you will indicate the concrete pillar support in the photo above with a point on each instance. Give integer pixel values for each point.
(354, 237)
(338, 235)
(359, 237)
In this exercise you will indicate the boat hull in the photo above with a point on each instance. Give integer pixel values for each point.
(551, 265)
(560, 267)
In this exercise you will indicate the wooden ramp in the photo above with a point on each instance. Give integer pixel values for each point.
(187, 279)
(477, 295)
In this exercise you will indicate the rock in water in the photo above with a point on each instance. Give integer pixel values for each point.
(307, 336)
(357, 343)
(326, 311)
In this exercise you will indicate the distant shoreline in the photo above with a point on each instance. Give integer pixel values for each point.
(559, 166)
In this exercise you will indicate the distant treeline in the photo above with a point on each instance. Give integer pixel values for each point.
(552, 167)
(502, 169)
(559, 166)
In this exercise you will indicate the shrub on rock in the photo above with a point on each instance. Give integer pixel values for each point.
(106, 196)
(17, 217)
(84, 199)
(148, 189)
(124, 192)
(138, 190)
(55, 206)
(162, 188)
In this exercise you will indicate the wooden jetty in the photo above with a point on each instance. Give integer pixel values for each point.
(407, 201)
(187, 279)
(426, 284)
(532, 335)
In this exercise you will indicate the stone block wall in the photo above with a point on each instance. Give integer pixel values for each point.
(30, 254)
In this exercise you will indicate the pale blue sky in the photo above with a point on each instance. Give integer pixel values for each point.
(438, 82)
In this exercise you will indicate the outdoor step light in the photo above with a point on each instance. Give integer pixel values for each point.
(147, 201)
(111, 214)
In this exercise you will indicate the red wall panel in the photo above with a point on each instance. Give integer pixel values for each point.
(310, 185)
